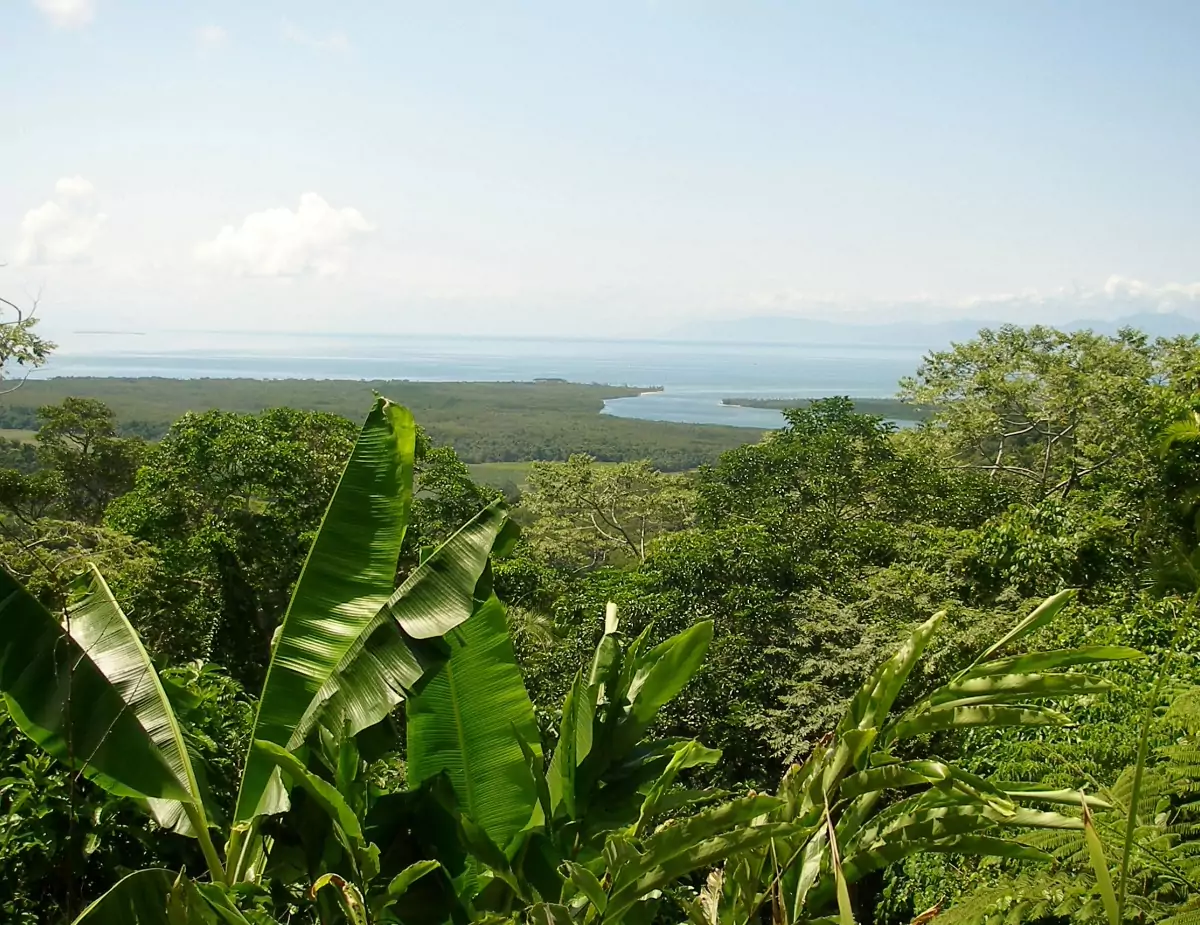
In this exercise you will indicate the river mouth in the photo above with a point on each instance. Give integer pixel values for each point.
(691, 408)
(704, 407)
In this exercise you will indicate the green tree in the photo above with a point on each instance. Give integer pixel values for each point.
(230, 502)
(78, 442)
(1052, 411)
(27, 497)
(19, 455)
(21, 349)
(586, 514)
(827, 459)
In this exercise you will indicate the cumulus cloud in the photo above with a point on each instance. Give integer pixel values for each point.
(1117, 297)
(67, 14)
(315, 238)
(333, 41)
(210, 37)
(62, 229)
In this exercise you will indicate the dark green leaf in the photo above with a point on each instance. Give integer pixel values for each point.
(137, 899)
(322, 792)
(468, 722)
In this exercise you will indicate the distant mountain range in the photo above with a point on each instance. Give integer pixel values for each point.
(785, 329)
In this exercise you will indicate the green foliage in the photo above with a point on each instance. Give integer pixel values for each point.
(21, 349)
(513, 834)
(78, 465)
(828, 459)
(585, 515)
(796, 565)
(20, 455)
(857, 806)
(230, 502)
(63, 840)
(349, 649)
(1138, 861)
(1053, 411)
(1034, 549)
(78, 441)
(85, 691)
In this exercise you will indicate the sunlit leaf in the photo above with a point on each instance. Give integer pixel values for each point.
(347, 579)
(85, 690)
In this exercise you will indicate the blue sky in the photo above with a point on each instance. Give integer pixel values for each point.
(596, 167)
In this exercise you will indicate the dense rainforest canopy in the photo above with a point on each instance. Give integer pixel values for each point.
(845, 671)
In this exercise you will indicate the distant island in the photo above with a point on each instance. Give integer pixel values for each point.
(891, 408)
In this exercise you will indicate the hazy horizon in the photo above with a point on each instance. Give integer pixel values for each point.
(619, 170)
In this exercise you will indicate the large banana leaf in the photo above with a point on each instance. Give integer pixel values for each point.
(151, 897)
(347, 579)
(441, 592)
(86, 691)
(468, 721)
(393, 652)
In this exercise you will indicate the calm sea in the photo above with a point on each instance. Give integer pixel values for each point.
(694, 376)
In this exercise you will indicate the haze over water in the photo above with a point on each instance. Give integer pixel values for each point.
(694, 376)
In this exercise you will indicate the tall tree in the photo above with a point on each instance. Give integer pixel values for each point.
(21, 349)
(588, 513)
(828, 465)
(1051, 410)
(78, 441)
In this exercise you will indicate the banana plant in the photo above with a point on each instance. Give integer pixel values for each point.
(858, 803)
(350, 648)
(491, 829)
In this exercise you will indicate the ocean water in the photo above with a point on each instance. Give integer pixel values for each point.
(693, 376)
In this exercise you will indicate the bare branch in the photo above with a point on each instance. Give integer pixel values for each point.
(18, 385)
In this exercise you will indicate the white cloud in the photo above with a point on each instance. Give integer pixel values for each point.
(68, 14)
(279, 242)
(211, 37)
(1118, 297)
(333, 41)
(62, 229)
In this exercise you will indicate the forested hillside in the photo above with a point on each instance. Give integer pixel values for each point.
(294, 665)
